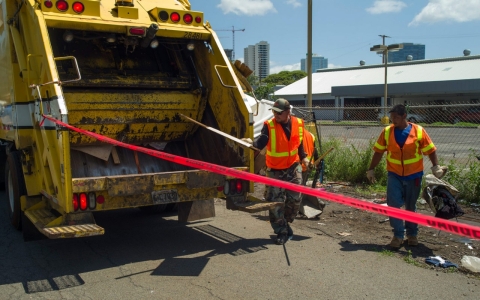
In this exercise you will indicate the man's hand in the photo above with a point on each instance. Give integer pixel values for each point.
(371, 176)
(306, 163)
(439, 171)
(247, 140)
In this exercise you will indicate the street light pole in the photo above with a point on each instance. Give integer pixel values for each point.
(309, 56)
(385, 49)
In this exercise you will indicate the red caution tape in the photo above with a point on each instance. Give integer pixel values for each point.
(441, 224)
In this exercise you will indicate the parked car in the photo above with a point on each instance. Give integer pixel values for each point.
(471, 115)
(414, 118)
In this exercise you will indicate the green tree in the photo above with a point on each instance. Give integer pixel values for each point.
(263, 91)
(265, 86)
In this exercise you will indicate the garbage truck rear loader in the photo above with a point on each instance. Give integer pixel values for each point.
(126, 70)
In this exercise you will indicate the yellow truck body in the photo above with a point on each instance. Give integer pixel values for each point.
(125, 70)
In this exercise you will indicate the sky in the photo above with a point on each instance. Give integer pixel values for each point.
(344, 30)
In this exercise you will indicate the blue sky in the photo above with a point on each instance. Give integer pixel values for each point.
(344, 30)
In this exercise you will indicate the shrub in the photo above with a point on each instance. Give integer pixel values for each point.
(466, 177)
(349, 163)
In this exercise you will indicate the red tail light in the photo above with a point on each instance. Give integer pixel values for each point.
(78, 7)
(239, 186)
(219, 188)
(83, 201)
(75, 202)
(100, 199)
(48, 4)
(175, 17)
(62, 5)
(187, 18)
(137, 31)
(198, 19)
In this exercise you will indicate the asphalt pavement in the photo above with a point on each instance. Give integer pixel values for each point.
(231, 256)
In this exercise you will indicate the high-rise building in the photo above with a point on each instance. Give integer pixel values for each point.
(318, 62)
(229, 54)
(417, 51)
(257, 58)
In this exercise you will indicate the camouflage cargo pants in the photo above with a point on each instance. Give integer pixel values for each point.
(280, 215)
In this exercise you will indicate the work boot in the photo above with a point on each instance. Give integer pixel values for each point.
(282, 238)
(289, 232)
(396, 243)
(412, 241)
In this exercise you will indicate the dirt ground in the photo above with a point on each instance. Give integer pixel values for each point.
(372, 232)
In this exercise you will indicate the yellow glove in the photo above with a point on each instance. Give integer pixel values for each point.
(371, 176)
(247, 140)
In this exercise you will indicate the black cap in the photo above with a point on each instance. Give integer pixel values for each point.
(399, 109)
(281, 105)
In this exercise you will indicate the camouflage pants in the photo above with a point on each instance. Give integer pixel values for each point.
(281, 214)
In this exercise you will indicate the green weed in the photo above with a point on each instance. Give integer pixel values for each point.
(466, 177)
(386, 252)
(410, 260)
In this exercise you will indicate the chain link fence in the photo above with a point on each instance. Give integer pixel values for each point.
(453, 128)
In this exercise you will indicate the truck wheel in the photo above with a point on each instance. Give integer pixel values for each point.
(153, 209)
(14, 188)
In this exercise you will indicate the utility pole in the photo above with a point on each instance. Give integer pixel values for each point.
(383, 43)
(233, 38)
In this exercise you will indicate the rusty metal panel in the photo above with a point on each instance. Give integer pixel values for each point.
(204, 179)
(129, 185)
(80, 185)
(169, 178)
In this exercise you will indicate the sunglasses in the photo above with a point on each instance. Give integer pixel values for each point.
(278, 113)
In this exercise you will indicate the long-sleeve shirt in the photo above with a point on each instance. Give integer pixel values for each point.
(261, 141)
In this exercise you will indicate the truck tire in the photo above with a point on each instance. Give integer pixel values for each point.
(14, 188)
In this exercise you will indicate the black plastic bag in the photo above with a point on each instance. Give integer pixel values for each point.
(446, 205)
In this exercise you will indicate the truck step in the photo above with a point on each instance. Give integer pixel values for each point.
(48, 224)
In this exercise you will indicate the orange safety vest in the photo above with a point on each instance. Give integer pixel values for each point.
(281, 152)
(308, 146)
(407, 160)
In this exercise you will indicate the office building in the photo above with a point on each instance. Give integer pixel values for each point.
(257, 58)
(229, 54)
(318, 62)
(417, 51)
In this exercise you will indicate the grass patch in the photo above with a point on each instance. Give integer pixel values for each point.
(410, 260)
(385, 252)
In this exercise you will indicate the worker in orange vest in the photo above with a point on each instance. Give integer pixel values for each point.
(283, 137)
(405, 144)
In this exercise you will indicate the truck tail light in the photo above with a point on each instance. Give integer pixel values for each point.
(48, 4)
(62, 5)
(163, 15)
(187, 18)
(239, 186)
(92, 200)
(198, 19)
(78, 7)
(75, 202)
(137, 31)
(100, 199)
(83, 201)
(175, 17)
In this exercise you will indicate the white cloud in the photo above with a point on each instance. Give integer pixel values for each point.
(247, 7)
(295, 3)
(277, 69)
(386, 6)
(332, 66)
(448, 10)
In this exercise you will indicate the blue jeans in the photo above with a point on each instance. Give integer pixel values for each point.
(399, 193)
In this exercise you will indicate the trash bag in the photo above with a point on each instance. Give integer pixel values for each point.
(441, 197)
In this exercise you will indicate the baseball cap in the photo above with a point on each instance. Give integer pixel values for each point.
(281, 105)
(399, 109)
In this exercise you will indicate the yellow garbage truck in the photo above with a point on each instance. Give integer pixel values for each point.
(128, 70)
